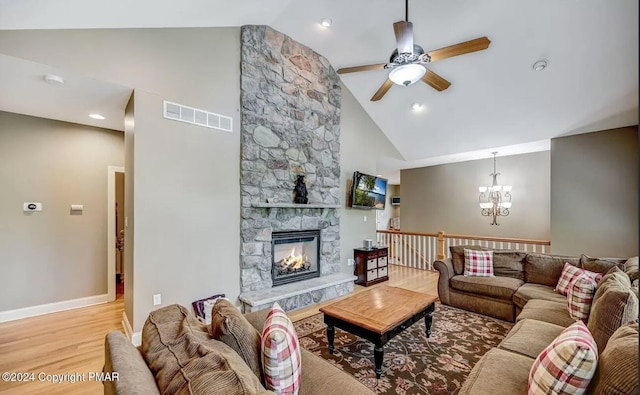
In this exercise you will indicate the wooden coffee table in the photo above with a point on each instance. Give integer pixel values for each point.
(378, 315)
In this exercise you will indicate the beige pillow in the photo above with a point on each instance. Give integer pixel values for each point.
(617, 371)
(631, 268)
(230, 327)
(614, 304)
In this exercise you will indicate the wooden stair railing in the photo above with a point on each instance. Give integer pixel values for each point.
(420, 250)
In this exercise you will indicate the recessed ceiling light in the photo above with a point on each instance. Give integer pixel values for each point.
(326, 22)
(53, 79)
(540, 65)
(416, 106)
(96, 116)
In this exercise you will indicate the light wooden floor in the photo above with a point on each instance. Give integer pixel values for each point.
(399, 276)
(73, 341)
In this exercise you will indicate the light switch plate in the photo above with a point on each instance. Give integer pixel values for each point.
(157, 299)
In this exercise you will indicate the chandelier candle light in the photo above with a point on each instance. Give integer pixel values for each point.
(495, 200)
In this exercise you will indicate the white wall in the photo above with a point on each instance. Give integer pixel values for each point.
(53, 255)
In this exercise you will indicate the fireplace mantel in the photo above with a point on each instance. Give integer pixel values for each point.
(294, 205)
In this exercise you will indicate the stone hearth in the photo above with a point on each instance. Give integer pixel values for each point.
(290, 125)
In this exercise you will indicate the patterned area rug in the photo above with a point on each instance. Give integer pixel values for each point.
(413, 364)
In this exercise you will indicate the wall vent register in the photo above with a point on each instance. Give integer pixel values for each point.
(182, 113)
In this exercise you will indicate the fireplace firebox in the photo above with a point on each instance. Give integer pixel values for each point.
(296, 256)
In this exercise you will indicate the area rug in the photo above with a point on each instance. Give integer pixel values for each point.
(412, 364)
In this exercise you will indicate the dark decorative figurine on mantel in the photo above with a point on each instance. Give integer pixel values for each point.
(300, 191)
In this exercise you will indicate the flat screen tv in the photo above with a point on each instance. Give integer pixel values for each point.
(368, 191)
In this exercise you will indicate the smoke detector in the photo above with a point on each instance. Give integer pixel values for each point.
(540, 65)
(53, 79)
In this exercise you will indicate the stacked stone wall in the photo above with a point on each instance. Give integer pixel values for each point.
(290, 125)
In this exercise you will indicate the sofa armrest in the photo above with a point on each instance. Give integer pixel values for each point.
(123, 358)
(445, 267)
(319, 377)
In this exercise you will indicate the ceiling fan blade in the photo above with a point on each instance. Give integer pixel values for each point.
(435, 81)
(477, 44)
(404, 36)
(382, 91)
(362, 68)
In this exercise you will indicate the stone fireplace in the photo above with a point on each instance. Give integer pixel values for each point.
(295, 256)
(290, 125)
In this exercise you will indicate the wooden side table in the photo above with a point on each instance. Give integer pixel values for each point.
(371, 265)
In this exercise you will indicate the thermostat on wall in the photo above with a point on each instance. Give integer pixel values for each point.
(31, 206)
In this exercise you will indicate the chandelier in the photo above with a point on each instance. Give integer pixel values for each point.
(495, 200)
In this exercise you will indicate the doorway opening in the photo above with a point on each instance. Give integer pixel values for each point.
(116, 222)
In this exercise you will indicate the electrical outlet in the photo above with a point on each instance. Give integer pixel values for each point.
(365, 218)
(350, 262)
(157, 299)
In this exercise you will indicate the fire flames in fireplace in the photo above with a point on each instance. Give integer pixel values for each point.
(293, 263)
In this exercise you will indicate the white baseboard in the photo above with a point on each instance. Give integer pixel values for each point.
(11, 315)
(134, 337)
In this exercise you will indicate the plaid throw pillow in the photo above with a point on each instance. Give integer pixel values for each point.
(478, 263)
(567, 365)
(580, 296)
(281, 361)
(570, 273)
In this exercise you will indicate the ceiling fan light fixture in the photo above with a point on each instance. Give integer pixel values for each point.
(407, 74)
(326, 22)
(416, 106)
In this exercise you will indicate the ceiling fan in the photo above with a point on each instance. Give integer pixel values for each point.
(408, 60)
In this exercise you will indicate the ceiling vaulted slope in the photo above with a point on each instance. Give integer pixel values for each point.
(495, 98)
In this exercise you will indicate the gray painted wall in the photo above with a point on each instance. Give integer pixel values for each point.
(594, 193)
(186, 202)
(445, 197)
(362, 143)
(184, 222)
(52, 255)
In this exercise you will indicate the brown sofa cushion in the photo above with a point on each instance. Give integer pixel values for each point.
(631, 268)
(614, 304)
(546, 269)
(457, 256)
(123, 357)
(501, 369)
(530, 337)
(528, 292)
(185, 360)
(617, 371)
(230, 327)
(599, 265)
(509, 264)
(547, 311)
(495, 287)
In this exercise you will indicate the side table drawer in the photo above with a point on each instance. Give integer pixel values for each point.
(382, 272)
(372, 275)
(371, 264)
(382, 261)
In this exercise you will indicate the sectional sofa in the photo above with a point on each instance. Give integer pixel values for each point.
(522, 290)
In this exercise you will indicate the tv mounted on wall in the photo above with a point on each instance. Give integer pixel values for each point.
(368, 192)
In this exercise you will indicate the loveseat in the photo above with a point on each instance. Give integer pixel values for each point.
(212, 367)
(522, 290)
